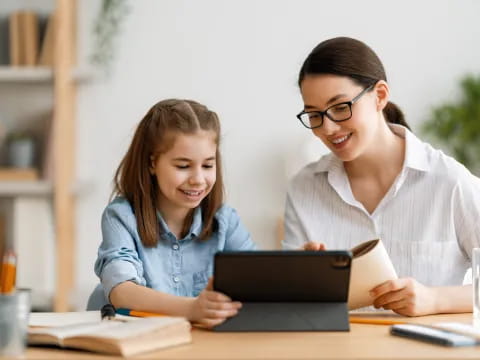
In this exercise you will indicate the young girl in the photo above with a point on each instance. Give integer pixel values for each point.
(381, 181)
(162, 230)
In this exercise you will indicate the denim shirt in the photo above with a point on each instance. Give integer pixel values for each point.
(174, 266)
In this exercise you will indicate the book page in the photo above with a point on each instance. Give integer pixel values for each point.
(371, 266)
(110, 329)
(63, 332)
(130, 338)
(54, 319)
(134, 329)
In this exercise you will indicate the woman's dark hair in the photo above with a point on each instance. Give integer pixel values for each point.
(345, 56)
(155, 135)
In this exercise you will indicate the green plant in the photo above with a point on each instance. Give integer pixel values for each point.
(107, 27)
(456, 125)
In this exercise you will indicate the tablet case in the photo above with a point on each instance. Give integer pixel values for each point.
(285, 290)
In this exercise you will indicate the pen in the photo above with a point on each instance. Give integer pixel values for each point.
(107, 312)
(8, 272)
(128, 312)
(372, 321)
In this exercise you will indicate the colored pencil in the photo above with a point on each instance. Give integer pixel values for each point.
(136, 313)
(373, 321)
(8, 272)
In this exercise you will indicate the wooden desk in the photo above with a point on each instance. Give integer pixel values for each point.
(362, 342)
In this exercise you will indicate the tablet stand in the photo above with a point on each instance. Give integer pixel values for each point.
(289, 316)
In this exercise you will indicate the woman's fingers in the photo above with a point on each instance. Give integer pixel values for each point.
(397, 305)
(389, 286)
(314, 246)
(389, 298)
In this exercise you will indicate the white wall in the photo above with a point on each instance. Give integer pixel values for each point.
(241, 58)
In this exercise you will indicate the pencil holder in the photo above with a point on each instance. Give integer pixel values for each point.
(14, 313)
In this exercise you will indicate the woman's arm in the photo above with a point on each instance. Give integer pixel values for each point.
(406, 296)
(209, 309)
(454, 299)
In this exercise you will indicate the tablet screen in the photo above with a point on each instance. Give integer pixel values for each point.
(264, 276)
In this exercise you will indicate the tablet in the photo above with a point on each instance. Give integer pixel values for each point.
(307, 286)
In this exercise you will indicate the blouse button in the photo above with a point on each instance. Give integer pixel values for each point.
(175, 246)
(176, 279)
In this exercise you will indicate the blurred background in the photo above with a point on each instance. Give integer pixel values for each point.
(68, 115)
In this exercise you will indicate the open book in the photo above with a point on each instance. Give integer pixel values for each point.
(121, 336)
(371, 266)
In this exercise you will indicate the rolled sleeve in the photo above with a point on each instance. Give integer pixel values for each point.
(117, 272)
(118, 260)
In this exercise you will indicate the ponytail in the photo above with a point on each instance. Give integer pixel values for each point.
(394, 115)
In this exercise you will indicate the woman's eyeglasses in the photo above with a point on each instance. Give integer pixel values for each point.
(337, 113)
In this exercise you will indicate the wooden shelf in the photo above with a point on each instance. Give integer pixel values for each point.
(41, 74)
(44, 84)
(26, 74)
(18, 188)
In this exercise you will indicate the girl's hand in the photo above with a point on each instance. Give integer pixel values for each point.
(405, 296)
(314, 246)
(211, 308)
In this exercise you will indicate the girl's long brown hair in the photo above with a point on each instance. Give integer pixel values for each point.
(153, 135)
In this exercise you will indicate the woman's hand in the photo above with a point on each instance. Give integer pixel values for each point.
(314, 246)
(211, 308)
(406, 296)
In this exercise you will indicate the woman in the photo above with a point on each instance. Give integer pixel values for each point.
(381, 181)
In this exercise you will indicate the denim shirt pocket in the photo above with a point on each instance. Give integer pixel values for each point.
(200, 280)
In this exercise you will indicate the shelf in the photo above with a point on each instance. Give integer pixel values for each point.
(19, 188)
(40, 74)
(51, 89)
(25, 74)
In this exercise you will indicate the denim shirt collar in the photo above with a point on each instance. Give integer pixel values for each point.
(195, 228)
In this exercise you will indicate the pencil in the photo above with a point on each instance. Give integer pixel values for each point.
(366, 320)
(8, 273)
(136, 313)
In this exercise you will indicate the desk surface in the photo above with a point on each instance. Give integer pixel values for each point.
(364, 341)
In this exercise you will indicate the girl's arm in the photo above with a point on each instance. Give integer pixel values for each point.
(209, 309)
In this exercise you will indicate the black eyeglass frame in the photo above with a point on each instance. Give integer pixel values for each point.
(325, 112)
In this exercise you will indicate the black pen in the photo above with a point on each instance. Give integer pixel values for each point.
(108, 312)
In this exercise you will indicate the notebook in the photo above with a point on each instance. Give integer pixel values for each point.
(371, 266)
(117, 337)
(53, 319)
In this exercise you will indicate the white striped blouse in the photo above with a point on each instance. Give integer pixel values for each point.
(429, 220)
